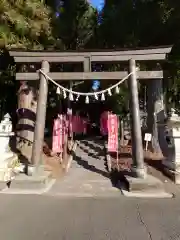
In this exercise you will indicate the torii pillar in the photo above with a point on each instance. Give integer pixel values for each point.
(37, 149)
(138, 168)
(139, 181)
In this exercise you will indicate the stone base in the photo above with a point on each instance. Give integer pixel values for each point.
(6, 168)
(172, 171)
(148, 184)
(139, 172)
(35, 182)
(171, 165)
(173, 175)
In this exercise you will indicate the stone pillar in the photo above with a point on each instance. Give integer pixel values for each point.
(172, 162)
(40, 118)
(139, 169)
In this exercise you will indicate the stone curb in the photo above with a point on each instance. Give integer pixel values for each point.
(142, 194)
(28, 191)
(149, 193)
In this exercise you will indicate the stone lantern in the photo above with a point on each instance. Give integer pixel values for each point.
(172, 162)
(8, 159)
(5, 134)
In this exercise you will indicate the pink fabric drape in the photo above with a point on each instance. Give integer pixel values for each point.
(79, 125)
(112, 133)
(59, 129)
(76, 121)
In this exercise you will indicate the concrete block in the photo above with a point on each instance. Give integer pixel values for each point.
(149, 183)
(36, 181)
(172, 174)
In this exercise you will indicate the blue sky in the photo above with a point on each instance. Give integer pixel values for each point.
(97, 3)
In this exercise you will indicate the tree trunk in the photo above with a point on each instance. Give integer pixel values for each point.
(156, 113)
(122, 133)
(27, 104)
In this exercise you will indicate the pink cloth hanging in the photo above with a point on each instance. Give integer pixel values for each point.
(76, 124)
(113, 133)
(58, 134)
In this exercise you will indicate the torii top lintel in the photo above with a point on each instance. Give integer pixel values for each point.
(141, 54)
(88, 57)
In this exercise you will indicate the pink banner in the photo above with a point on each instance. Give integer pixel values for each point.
(76, 124)
(79, 125)
(58, 134)
(112, 133)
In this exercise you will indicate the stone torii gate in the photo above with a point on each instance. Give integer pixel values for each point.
(46, 58)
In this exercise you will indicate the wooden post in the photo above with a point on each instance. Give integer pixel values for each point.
(69, 112)
(40, 118)
(137, 149)
(122, 132)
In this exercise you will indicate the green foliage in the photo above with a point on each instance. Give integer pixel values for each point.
(140, 23)
(25, 24)
(75, 24)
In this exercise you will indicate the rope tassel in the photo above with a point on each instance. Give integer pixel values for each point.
(87, 100)
(109, 92)
(71, 96)
(77, 98)
(64, 94)
(96, 96)
(117, 90)
(102, 97)
(58, 91)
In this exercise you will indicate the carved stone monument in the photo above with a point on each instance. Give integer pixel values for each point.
(172, 162)
(8, 160)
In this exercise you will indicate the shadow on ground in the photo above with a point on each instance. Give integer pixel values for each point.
(91, 150)
(114, 177)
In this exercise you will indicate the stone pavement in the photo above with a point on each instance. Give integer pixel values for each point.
(87, 175)
(50, 218)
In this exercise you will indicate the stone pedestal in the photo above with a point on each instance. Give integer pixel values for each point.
(8, 160)
(172, 163)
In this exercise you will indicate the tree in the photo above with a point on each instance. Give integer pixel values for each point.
(75, 23)
(25, 24)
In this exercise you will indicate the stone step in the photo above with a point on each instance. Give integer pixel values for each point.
(3, 185)
(150, 183)
(34, 182)
(83, 194)
(84, 189)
